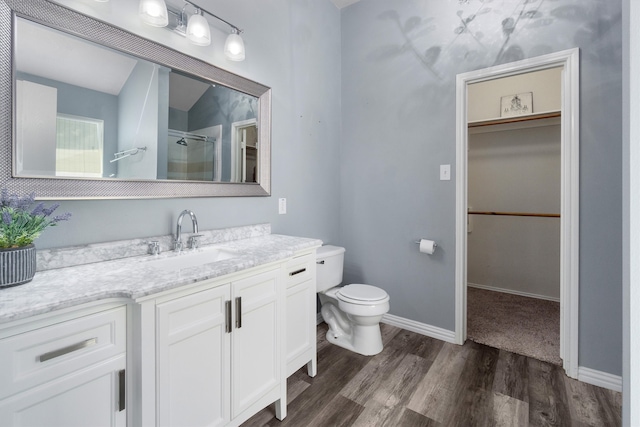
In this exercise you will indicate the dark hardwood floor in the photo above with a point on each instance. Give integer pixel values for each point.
(420, 381)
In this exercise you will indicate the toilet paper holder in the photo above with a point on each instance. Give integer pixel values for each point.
(417, 242)
(427, 246)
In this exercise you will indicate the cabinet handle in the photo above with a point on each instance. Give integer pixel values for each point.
(227, 316)
(293, 273)
(122, 394)
(66, 350)
(238, 312)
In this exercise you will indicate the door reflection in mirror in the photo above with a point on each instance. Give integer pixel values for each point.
(244, 146)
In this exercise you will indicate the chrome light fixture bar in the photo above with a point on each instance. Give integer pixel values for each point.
(194, 27)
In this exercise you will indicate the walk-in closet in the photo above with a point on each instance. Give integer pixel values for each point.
(514, 201)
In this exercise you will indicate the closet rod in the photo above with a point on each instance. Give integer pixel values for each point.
(542, 215)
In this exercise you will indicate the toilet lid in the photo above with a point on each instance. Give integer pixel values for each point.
(360, 294)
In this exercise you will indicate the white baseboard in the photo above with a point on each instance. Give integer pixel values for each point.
(420, 328)
(510, 291)
(600, 379)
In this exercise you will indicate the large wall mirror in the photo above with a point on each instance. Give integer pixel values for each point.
(98, 112)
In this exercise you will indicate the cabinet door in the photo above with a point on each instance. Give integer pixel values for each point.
(300, 325)
(88, 397)
(193, 360)
(256, 341)
(301, 313)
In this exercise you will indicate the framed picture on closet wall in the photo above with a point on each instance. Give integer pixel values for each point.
(516, 105)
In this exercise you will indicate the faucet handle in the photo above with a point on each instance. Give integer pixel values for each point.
(177, 245)
(194, 241)
(153, 247)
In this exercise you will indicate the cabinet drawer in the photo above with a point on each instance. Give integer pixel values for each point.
(300, 269)
(41, 355)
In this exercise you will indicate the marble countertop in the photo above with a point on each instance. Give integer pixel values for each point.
(134, 278)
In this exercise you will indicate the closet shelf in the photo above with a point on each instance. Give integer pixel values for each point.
(541, 215)
(515, 119)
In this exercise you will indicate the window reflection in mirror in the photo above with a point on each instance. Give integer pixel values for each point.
(86, 111)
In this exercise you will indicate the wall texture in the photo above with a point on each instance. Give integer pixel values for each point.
(288, 49)
(399, 62)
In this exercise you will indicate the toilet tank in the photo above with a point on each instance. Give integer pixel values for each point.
(330, 261)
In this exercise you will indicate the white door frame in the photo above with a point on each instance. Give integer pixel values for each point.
(236, 148)
(569, 209)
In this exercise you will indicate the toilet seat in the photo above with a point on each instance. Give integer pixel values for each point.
(362, 294)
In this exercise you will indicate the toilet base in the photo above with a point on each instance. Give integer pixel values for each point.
(365, 340)
(359, 338)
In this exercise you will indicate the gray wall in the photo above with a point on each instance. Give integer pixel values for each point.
(289, 49)
(399, 62)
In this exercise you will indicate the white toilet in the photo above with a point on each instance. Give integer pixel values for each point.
(353, 312)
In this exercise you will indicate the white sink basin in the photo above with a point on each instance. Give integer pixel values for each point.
(188, 259)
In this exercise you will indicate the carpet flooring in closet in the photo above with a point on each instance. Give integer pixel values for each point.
(522, 325)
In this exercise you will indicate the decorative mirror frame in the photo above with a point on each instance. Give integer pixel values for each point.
(69, 21)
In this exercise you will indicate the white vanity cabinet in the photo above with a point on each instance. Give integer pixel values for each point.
(301, 313)
(218, 348)
(65, 369)
(202, 346)
(193, 359)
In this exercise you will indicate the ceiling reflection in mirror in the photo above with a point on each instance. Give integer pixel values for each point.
(85, 111)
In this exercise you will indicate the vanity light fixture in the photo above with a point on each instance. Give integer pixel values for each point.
(194, 27)
(234, 46)
(198, 31)
(154, 12)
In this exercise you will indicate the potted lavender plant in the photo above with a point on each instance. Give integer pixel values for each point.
(20, 224)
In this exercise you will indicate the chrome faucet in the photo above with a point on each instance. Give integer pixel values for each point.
(193, 241)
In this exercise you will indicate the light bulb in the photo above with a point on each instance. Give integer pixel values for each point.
(234, 46)
(154, 12)
(198, 31)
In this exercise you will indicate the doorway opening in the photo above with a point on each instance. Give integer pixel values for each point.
(567, 62)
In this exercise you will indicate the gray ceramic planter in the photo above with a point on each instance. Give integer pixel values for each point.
(17, 265)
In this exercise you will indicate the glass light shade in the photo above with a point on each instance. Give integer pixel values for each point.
(154, 12)
(234, 46)
(198, 30)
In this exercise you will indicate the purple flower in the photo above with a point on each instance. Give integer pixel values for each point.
(12, 201)
(63, 217)
(38, 210)
(6, 217)
(48, 211)
(23, 203)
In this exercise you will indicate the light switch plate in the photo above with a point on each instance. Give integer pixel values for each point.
(282, 206)
(445, 172)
